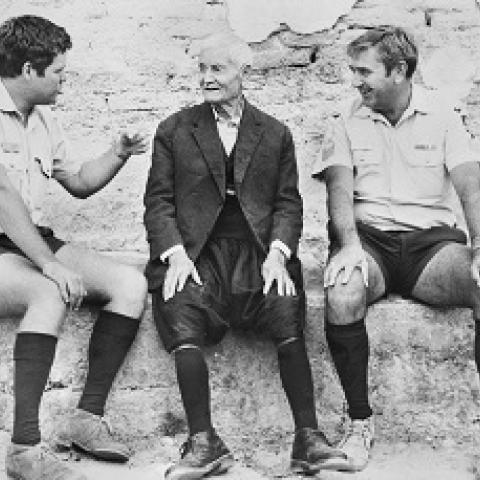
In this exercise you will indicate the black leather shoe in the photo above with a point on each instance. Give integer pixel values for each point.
(202, 455)
(310, 450)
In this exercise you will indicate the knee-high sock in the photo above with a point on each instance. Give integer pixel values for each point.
(477, 345)
(296, 376)
(112, 337)
(192, 377)
(33, 357)
(350, 350)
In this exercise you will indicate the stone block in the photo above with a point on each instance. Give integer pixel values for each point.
(423, 381)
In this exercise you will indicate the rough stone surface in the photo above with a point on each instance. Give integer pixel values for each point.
(128, 69)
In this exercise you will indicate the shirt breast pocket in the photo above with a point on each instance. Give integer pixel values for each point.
(13, 163)
(427, 171)
(39, 174)
(426, 156)
(365, 158)
(367, 169)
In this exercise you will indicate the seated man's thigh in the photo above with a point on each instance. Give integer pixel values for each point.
(278, 316)
(104, 278)
(22, 285)
(347, 302)
(195, 315)
(447, 279)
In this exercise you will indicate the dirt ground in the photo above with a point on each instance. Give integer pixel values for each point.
(128, 70)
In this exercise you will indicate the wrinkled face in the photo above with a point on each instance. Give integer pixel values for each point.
(220, 77)
(371, 80)
(46, 88)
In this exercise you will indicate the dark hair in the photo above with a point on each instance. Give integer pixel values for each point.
(394, 45)
(30, 39)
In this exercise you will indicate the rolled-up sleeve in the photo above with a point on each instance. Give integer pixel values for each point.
(61, 150)
(459, 145)
(335, 148)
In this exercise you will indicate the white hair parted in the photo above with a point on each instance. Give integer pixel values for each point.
(238, 51)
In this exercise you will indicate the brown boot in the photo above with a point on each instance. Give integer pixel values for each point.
(202, 455)
(91, 434)
(311, 450)
(25, 462)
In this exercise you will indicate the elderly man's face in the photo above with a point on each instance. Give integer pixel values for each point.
(220, 78)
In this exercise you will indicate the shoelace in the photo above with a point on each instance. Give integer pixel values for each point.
(360, 429)
(185, 447)
(107, 424)
(101, 425)
(56, 466)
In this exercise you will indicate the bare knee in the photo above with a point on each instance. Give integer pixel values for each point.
(345, 304)
(45, 310)
(129, 293)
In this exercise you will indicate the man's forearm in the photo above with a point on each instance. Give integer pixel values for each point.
(340, 210)
(93, 174)
(16, 223)
(472, 216)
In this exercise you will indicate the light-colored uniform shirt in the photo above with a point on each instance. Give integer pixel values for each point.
(32, 152)
(228, 132)
(401, 172)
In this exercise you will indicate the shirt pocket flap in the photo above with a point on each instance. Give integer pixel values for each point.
(364, 156)
(426, 155)
(44, 160)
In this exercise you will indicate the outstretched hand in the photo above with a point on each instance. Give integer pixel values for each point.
(126, 145)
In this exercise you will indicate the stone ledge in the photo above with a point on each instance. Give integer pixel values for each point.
(423, 380)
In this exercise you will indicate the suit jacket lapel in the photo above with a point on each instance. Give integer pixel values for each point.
(206, 135)
(249, 135)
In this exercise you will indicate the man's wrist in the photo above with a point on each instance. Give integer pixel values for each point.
(44, 266)
(351, 242)
(167, 253)
(475, 244)
(119, 153)
(277, 253)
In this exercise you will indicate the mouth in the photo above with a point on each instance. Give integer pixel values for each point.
(210, 89)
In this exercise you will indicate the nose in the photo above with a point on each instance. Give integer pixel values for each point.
(207, 75)
(356, 80)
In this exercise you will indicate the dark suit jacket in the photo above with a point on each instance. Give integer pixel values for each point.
(186, 185)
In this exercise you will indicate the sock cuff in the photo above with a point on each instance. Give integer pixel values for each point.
(348, 330)
(116, 324)
(34, 346)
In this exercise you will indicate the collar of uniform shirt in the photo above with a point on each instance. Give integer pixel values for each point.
(222, 116)
(419, 102)
(7, 105)
(6, 102)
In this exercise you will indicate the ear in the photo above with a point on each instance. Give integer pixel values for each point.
(27, 70)
(399, 72)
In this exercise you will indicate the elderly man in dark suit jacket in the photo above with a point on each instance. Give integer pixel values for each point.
(224, 217)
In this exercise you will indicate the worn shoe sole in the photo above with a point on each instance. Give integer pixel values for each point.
(342, 465)
(302, 467)
(14, 475)
(217, 467)
(107, 455)
(17, 476)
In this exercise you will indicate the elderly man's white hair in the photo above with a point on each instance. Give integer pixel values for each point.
(238, 51)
